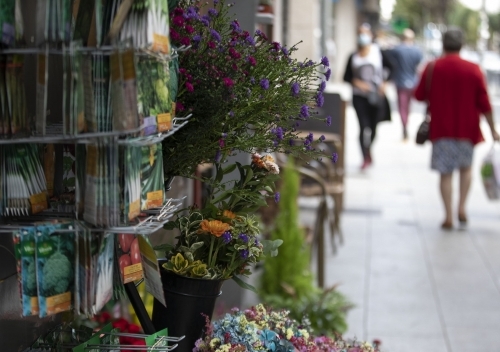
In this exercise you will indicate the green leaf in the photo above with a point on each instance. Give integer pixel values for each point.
(271, 247)
(244, 284)
(195, 246)
(171, 225)
(229, 169)
(163, 247)
(249, 176)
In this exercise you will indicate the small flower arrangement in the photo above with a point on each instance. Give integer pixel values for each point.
(245, 93)
(262, 329)
(221, 240)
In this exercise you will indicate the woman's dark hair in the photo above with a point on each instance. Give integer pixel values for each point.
(453, 39)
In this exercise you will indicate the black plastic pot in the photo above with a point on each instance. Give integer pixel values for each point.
(188, 301)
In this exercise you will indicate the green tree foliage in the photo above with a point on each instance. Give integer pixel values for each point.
(419, 12)
(466, 19)
(291, 267)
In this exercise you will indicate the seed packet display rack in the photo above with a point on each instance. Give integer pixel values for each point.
(151, 219)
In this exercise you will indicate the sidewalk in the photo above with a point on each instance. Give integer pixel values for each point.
(415, 287)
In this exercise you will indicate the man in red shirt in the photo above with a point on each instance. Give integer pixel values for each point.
(457, 96)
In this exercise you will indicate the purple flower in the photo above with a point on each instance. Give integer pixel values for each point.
(215, 35)
(285, 51)
(252, 61)
(205, 20)
(335, 157)
(328, 120)
(295, 89)
(278, 132)
(320, 99)
(243, 237)
(231, 113)
(213, 13)
(310, 137)
(226, 237)
(258, 32)
(197, 38)
(191, 12)
(322, 87)
(328, 73)
(309, 63)
(291, 142)
(235, 26)
(325, 62)
(250, 40)
(304, 111)
(218, 156)
(216, 2)
(252, 80)
(244, 253)
(277, 197)
(224, 135)
(264, 83)
(322, 138)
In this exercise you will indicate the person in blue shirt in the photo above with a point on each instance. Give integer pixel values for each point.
(405, 59)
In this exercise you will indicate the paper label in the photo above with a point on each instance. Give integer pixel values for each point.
(38, 203)
(154, 199)
(164, 122)
(59, 303)
(152, 275)
(134, 209)
(128, 65)
(160, 43)
(132, 273)
(34, 306)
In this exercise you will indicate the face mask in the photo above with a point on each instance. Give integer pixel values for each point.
(364, 39)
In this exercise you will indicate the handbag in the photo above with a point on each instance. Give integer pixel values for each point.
(423, 129)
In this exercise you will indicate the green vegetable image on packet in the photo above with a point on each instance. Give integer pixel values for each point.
(28, 273)
(55, 262)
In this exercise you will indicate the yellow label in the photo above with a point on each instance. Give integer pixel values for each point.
(59, 303)
(34, 306)
(160, 43)
(128, 65)
(38, 202)
(164, 122)
(134, 209)
(154, 199)
(173, 109)
(41, 69)
(132, 273)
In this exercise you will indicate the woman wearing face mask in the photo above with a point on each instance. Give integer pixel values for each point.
(365, 71)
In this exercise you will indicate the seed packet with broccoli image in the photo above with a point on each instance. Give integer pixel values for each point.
(104, 272)
(152, 180)
(28, 272)
(55, 262)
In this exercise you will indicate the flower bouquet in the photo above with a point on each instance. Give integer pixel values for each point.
(262, 329)
(245, 93)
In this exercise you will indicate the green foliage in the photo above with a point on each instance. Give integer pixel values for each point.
(286, 281)
(419, 12)
(466, 19)
(291, 267)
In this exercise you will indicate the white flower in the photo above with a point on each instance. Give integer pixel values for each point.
(272, 167)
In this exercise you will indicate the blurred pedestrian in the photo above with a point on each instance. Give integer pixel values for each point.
(365, 72)
(457, 95)
(405, 57)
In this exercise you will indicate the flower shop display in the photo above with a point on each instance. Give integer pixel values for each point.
(218, 241)
(245, 93)
(262, 329)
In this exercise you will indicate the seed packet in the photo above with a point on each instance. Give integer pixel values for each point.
(158, 28)
(77, 116)
(55, 264)
(91, 185)
(82, 269)
(4, 112)
(28, 273)
(88, 94)
(132, 182)
(83, 21)
(104, 274)
(129, 258)
(16, 96)
(151, 269)
(152, 180)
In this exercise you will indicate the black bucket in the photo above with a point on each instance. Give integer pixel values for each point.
(188, 301)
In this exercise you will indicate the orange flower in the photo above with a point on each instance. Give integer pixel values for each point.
(228, 214)
(214, 227)
(256, 159)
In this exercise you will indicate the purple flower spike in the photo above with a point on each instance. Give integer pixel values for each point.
(320, 100)
(285, 51)
(244, 253)
(328, 73)
(243, 237)
(325, 62)
(226, 237)
(322, 87)
(322, 138)
(295, 89)
(213, 13)
(277, 197)
(218, 156)
(215, 35)
(304, 111)
(264, 83)
(197, 38)
(328, 120)
(335, 157)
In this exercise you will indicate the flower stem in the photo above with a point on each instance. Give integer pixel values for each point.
(210, 253)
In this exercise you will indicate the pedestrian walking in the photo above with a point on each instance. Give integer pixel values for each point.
(365, 72)
(406, 58)
(457, 96)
